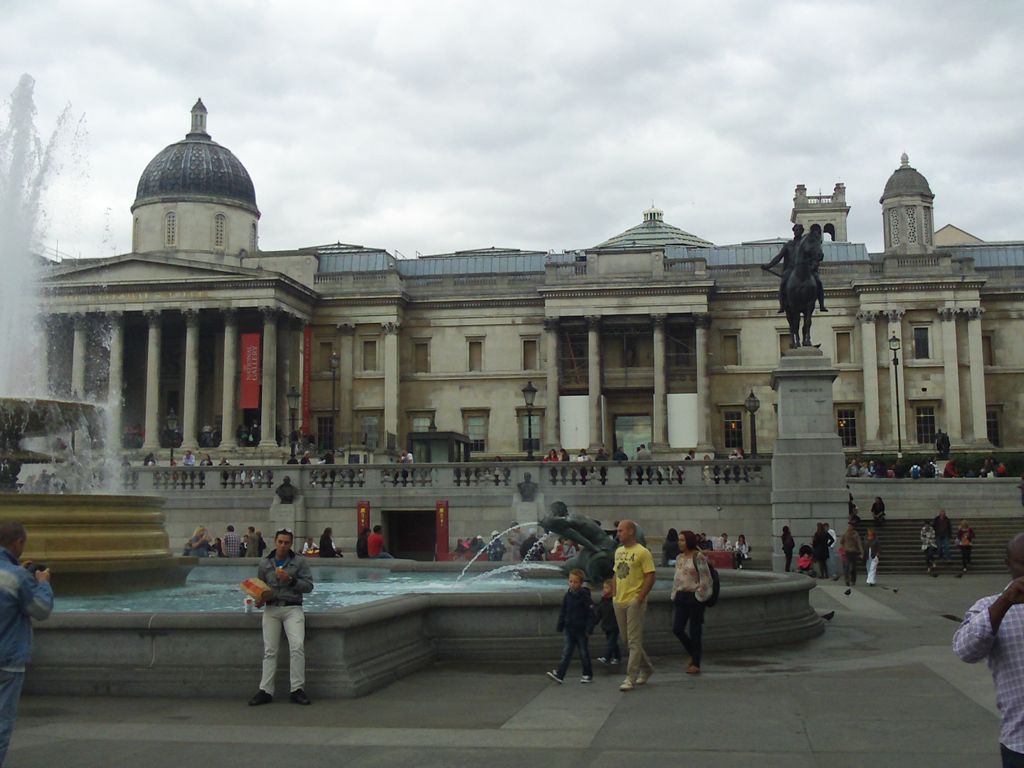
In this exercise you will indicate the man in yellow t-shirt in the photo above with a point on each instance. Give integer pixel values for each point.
(634, 579)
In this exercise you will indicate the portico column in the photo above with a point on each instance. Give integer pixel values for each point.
(951, 374)
(268, 398)
(869, 364)
(42, 323)
(660, 438)
(115, 379)
(190, 405)
(152, 442)
(285, 345)
(229, 385)
(346, 365)
(78, 356)
(979, 426)
(895, 318)
(594, 380)
(704, 444)
(551, 367)
(391, 382)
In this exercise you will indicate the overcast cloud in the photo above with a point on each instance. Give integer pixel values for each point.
(438, 126)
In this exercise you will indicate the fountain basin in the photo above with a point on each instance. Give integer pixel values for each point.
(355, 650)
(97, 543)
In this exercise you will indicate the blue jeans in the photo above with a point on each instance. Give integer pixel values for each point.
(611, 651)
(10, 692)
(1010, 758)
(574, 640)
(689, 610)
(943, 543)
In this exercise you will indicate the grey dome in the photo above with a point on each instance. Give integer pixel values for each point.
(654, 233)
(906, 181)
(196, 168)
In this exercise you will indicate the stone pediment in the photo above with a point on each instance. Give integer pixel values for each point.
(135, 268)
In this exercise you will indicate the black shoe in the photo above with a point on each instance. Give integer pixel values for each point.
(261, 697)
(299, 697)
(847, 591)
(822, 309)
(782, 310)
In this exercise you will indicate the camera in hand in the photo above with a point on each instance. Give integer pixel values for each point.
(35, 567)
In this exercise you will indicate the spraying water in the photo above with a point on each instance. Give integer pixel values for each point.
(538, 546)
(26, 165)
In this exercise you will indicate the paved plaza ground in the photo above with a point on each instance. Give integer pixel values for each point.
(880, 688)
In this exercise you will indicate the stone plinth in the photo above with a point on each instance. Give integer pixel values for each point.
(808, 469)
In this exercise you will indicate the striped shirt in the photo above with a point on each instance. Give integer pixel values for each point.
(1004, 650)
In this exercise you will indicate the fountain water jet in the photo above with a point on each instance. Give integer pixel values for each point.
(92, 542)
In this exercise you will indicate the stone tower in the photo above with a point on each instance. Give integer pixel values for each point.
(830, 211)
(907, 219)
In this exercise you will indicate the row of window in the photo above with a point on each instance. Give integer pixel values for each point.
(475, 427)
(843, 349)
(369, 357)
(846, 426)
(219, 232)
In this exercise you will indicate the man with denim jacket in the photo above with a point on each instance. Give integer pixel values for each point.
(288, 577)
(24, 595)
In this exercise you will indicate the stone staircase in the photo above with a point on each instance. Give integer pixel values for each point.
(901, 544)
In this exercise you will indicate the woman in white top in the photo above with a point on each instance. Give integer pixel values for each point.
(741, 553)
(690, 588)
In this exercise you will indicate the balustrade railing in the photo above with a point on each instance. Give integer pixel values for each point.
(500, 475)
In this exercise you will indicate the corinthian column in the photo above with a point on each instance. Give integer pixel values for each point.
(190, 407)
(951, 374)
(977, 362)
(229, 386)
(551, 390)
(78, 356)
(704, 444)
(869, 364)
(115, 379)
(660, 411)
(152, 442)
(391, 374)
(268, 399)
(594, 380)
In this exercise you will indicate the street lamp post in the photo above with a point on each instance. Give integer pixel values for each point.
(334, 401)
(293, 397)
(529, 394)
(894, 345)
(752, 404)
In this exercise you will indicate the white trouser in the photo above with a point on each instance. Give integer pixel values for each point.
(872, 569)
(293, 620)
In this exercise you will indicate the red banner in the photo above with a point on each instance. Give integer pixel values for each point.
(307, 376)
(249, 381)
(362, 516)
(441, 551)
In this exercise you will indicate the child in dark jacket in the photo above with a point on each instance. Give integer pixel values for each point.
(610, 625)
(576, 620)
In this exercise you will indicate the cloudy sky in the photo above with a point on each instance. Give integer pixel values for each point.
(448, 125)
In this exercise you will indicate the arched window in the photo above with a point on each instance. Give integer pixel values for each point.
(252, 244)
(830, 230)
(218, 231)
(170, 229)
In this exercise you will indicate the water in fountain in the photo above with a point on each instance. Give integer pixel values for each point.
(483, 550)
(66, 437)
(516, 569)
(26, 165)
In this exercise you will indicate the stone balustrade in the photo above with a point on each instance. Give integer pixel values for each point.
(477, 475)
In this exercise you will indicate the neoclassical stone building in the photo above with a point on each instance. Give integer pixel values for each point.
(654, 336)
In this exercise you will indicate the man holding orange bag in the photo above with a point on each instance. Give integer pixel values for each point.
(288, 578)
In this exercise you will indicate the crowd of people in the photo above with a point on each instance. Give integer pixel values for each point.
(928, 469)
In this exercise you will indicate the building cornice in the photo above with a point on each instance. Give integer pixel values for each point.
(702, 288)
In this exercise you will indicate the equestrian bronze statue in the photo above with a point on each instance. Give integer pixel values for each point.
(800, 286)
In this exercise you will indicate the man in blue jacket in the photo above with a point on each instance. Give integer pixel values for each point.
(24, 595)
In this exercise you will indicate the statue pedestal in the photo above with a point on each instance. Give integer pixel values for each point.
(808, 466)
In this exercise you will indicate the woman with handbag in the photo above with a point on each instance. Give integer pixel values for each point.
(691, 586)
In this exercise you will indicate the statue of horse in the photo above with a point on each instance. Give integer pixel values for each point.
(801, 289)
